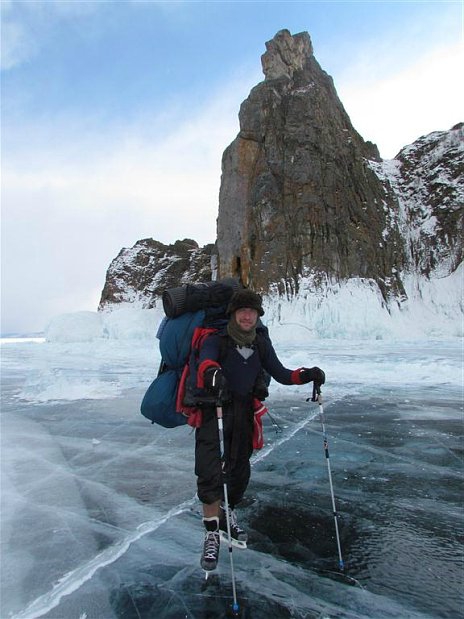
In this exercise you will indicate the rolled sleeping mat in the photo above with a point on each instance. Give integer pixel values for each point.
(193, 297)
(232, 282)
(174, 301)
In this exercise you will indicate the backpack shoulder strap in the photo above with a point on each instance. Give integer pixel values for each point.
(224, 343)
(199, 336)
(260, 343)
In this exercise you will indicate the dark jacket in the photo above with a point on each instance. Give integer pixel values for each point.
(241, 373)
(242, 376)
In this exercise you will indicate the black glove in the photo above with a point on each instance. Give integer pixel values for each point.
(312, 374)
(214, 380)
(260, 389)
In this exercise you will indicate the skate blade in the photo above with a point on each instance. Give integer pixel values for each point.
(209, 571)
(210, 580)
(235, 542)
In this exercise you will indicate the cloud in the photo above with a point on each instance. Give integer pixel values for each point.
(170, 162)
(17, 46)
(26, 26)
(403, 81)
(75, 192)
(425, 95)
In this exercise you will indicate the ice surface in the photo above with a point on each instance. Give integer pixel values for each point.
(99, 515)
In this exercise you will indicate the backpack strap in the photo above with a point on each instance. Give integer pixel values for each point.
(199, 336)
(225, 342)
(260, 343)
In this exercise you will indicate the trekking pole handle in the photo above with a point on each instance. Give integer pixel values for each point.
(316, 392)
(316, 397)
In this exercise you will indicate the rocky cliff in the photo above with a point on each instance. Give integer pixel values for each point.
(142, 272)
(302, 194)
(428, 179)
(297, 193)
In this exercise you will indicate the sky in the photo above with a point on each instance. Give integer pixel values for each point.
(115, 116)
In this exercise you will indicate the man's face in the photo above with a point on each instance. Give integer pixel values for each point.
(246, 318)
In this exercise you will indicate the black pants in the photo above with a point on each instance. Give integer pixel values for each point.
(238, 447)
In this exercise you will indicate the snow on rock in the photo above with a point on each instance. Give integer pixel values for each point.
(428, 180)
(140, 273)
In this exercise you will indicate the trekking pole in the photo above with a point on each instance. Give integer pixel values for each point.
(317, 397)
(235, 606)
(278, 428)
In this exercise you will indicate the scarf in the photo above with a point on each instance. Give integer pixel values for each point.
(238, 335)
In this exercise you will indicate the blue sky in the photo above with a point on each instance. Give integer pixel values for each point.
(115, 116)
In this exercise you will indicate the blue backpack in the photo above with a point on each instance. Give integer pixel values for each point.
(180, 335)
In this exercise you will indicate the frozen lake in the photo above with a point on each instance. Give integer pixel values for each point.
(100, 519)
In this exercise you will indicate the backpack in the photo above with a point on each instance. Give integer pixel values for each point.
(192, 313)
(173, 398)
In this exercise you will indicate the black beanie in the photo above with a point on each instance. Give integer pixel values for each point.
(245, 298)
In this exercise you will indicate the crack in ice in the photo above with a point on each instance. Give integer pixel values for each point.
(73, 580)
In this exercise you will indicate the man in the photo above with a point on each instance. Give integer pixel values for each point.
(231, 365)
